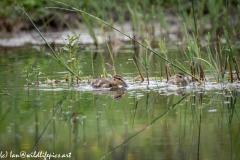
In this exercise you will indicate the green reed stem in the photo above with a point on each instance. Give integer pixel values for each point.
(232, 58)
(112, 58)
(90, 29)
(194, 18)
(53, 55)
(136, 65)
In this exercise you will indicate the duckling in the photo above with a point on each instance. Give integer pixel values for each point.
(178, 79)
(113, 82)
(101, 83)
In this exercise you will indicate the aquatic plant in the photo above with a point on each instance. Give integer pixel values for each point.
(70, 54)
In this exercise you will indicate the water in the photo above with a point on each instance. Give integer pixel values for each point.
(154, 122)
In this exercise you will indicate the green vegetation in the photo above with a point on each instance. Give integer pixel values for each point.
(196, 21)
(148, 122)
(197, 15)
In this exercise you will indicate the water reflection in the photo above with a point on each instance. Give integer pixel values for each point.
(117, 93)
(142, 124)
(91, 125)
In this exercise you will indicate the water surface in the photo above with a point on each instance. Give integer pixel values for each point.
(154, 122)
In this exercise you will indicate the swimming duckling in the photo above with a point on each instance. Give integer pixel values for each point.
(113, 82)
(178, 79)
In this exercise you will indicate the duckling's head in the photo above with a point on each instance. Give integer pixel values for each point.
(181, 79)
(178, 79)
(118, 80)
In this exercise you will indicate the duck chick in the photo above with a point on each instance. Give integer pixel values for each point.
(101, 83)
(179, 79)
(115, 81)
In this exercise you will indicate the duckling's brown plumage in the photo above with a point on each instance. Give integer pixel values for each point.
(178, 79)
(113, 82)
(101, 83)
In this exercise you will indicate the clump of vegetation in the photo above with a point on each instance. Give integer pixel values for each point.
(70, 55)
(192, 28)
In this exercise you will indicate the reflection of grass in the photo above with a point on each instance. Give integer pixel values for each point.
(58, 105)
(148, 125)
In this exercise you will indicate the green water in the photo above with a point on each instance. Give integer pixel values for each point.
(144, 124)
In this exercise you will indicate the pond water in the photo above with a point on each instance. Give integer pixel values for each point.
(78, 122)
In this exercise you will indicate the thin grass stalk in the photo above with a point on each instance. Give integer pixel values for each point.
(230, 70)
(219, 57)
(110, 124)
(230, 57)
(53, 55)
(194, 18)
(201, 71)
(75, 9)
(92, 62)
(230, 116)
(103, 67)
(146, 65)
(36, 126)
(192, 70)
(225, 65)
(159, 66)
(236, 67)
(218, 66)
(90, 28)
(113, 62)
(161, 72)
(199, 133)
(162, 45)
(147, 75)
(135, 111)
(135, 24)
(181, 64)
(167, 68)
(191, 56)
(153, 12)
(135, 64)
(195, 47)
(228, 42)
(163, 22)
